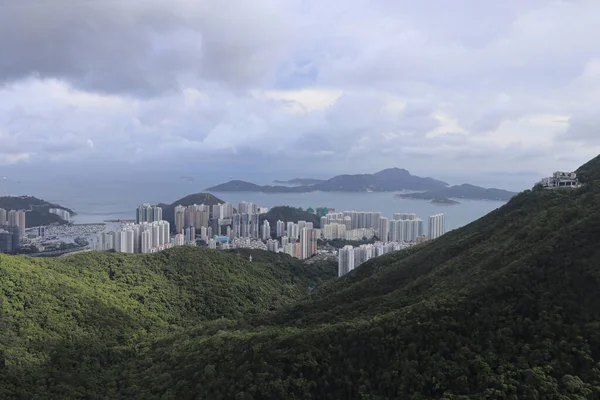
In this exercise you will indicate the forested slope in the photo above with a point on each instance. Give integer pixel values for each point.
(84, 312)
(504, 308)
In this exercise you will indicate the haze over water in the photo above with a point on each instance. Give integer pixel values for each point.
(97, 201)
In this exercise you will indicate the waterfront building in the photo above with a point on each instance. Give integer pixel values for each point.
(405, 228)
(437, 225)
(64, 214)
(147, 213)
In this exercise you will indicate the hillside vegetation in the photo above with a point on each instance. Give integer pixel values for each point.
(504, 308)
(288, 214)
(62, 319)
(37, 210)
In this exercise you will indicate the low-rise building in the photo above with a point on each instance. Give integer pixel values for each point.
(561, 180)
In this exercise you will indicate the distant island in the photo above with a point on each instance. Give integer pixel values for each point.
(464, 191)
(37, 210)
(300, 182)
(387, 180)
(444, 201)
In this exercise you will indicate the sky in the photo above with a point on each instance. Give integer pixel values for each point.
(496, 93)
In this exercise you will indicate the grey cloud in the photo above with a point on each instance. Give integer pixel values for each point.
(139, 47)
(172, 82)
(584, 128)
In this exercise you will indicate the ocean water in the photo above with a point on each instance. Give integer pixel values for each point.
(97, 201)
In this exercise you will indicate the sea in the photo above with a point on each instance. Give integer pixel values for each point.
(96, 202)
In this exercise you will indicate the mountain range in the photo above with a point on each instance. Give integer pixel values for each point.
(300, 181)
(392, 179)
(387, 180)
(503, 308)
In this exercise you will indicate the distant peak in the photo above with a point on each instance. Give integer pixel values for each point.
(394, 170)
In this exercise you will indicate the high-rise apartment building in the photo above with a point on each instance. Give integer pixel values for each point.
(17, 218)
(179, 240)
(3, 220)
(280, 228)
(437, 225)
(148, 213)
(146, 237)
(222, 211)
(273, 245)
(405, 228)
(190, 235)
(247, 208)
(266, 230)
(64, 214)
(345, 260)
(405, 216)
(384, 229)
(308, 243)
(179, 219)
(10, 239)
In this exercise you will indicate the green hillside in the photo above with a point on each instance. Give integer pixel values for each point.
(91, 310)
(288, 214)
(37, 210)
(504, 308)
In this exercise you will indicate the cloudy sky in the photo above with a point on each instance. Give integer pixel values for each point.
(475, 90)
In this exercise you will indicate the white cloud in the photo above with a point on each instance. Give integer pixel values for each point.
(503, 86)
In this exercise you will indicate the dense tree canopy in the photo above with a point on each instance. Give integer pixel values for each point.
(504, 308)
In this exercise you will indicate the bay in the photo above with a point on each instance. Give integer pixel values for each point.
(96, 201)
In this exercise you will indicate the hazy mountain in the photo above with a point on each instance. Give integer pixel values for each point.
(464, 191)
(300, 181)
(392, 179)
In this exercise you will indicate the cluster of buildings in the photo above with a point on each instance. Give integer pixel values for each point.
(64, 214)
(222, 226)
(350, 257)
(405, 229)
(145, 237)
(358, 225)
(12, 229)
